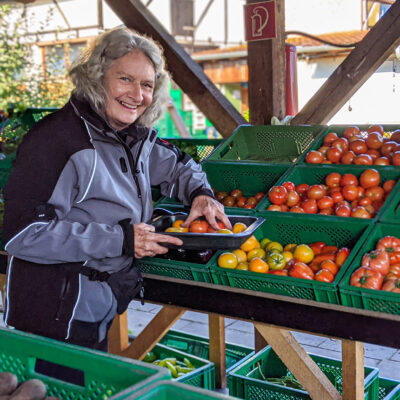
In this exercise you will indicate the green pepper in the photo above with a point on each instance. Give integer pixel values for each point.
(188, 363)
(150, 357)
(173, 370)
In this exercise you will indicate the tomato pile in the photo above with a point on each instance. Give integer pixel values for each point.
(236, 199)
(315, 261)
(356, 147)
(202, 226)
(342, 195)
(380, 268)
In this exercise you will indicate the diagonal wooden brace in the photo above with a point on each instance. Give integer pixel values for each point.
(302, 366)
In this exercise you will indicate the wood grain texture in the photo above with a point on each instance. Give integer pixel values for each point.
(118, 339)
(216, 326)
(353, 370)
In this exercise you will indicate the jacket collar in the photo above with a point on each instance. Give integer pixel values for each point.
(89, 113)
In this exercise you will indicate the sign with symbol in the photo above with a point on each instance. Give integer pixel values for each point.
(259, 20)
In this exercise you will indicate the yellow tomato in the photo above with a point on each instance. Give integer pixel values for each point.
(276, 246)
(264, 242)
(250, 244)
(226, 231)
(303, 253)
(257, 252)
(173, 229)
(240, 255)
(288, 256)
(239, 227)
(178, 223)
(244, 266)
(290, 247)
(227, 260)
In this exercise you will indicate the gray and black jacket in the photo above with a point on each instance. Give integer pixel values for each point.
(76, 188)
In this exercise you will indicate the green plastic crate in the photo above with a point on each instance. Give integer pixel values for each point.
(369, 299)
(388, 389)
(315, 175)
(204, 374)
(200, 347)
(339, 130)
(390, 212)
(104, 374)
(173, 391)
(198, 149)
(245, 381)
(307, 229)
(250, 178)
(266, 144)
(5, 168)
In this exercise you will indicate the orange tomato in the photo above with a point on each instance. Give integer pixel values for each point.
(178, 223)
(250, 244)
(198, 226)
(240, 255)
(258, 265)
(239, 227)
(227, 260)
(303, 253)
(324, 275)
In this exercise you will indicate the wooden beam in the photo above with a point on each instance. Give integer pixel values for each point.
(216, 326)
(359, 65)
(353, 370)
(118, 339)
(267, 76)
(300, 364)
(185, 71)
(259, 341)
(153, 332)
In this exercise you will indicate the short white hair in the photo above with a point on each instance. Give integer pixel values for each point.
(89, 70)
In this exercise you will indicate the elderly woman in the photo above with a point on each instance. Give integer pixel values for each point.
(79, 195)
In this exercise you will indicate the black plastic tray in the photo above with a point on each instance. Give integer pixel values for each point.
(212, 241)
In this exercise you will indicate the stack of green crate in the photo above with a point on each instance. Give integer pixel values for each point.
(200, 347)
(103, 375)
(171, 391)
(248, 380)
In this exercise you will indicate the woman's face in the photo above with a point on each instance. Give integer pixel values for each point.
(129, 84)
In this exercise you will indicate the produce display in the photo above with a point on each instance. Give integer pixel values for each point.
(202, 226)
(380, 268)
(33, 389)
(372, 147)
(177, 368)
(344, 195)
(313, 261)
(236, 199)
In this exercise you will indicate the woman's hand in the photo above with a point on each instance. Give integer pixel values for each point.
(147, 242)
(211, 209)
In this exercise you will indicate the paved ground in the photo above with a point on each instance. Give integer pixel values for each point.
(386, 359)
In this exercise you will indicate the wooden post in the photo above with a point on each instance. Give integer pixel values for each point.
(350, 75)
(259, 341)
(267, 73)
(216, 326)
(353, 370)
(185, 71)
(118, 339)
(302, 366)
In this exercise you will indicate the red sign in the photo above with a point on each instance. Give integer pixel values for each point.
(259, 20)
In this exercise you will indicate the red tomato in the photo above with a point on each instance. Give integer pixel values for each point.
(381, 161)
(360, 212)
(361, 192)
(375, 193)
(293, 198)
(310, 206)
(375, 128)
(337, 197)
(365, 201)
(358, 146)
(317, 247)
(348, 157)
(302, 188)
(323, 150)
(316, 192)
(389, 244)
(363, 159)
(366, 278)
(333, 179)
(297, 209)
(314, 157)
(395, 136)
(341, 144)
(343, 211)
(221, 225)
(198, 226)
(373, 153)
(370, 178)
(274, 207)
(389, 185)
(388, 148)
(330, 266)
(277, 195)
(374, 140)
(330, 138)
(236, 193)
(301, 270)
(326, 211)
(348, 179)
(258, 196)
(350, 192)
(334, 154)
(341, 256)
(351, 131)
(378, 260)
(323, 275)
(241, 201)
(396, 158)
(325, 202)
(289, 185)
